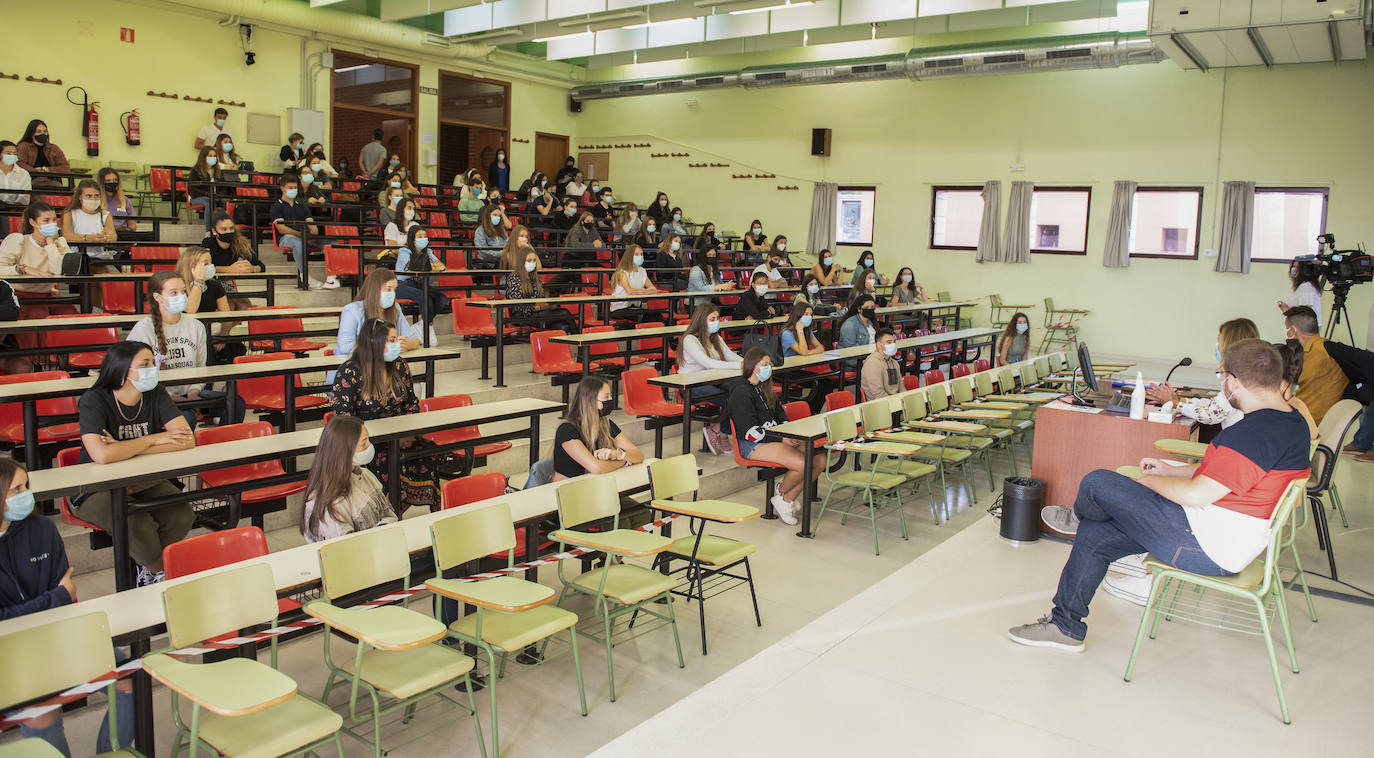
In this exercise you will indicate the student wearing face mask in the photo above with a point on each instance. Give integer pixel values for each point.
(865, 284)
(228, 155)
(176, 337)
(13, 176)
(566, 173)
(211, 132)
(523, 283)
(660, 209)
(675, 223)
(290, 217)
(373, 384)
(116, 203)
(630, 278)
(583, 235)
(753, 304)
(860, 324)
(566, 217)
(592, 196)
(702, 349)
(602, 208)
(1014, 343)
(311, 190)
(707, 240)
(400, 177)
(39, 155)
(415, 255)
(772, 269)
(756, 241)
(86, 220)
(491, 234)
(341, 495)
(588, 441)
(866, 264)
(754, 409)
(1306, 290)
(232, 254)
(316, 150)
(36, 251)
(1216, 410)
(908, 291)
(628, 222)
(811, 293)
(779, 249)
(574, 188)
(292, 154)
(125, 414)
(647, 237)
(543, 202)
(387, 201)
(473, 201)
(705, 274)
(499, 172)
(404, 218)
(881, 374)
(202, 175)
(376, 300)
(827, 271)
(668, 254)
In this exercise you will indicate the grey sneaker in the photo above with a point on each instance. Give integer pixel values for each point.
(1044, 633)
(1060, 519)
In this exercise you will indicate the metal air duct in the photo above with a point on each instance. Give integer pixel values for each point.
(1033, 60)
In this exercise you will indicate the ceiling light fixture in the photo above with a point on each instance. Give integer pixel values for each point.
(779, 7)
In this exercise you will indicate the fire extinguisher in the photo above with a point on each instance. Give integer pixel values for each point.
(129, 120)
(90, 121)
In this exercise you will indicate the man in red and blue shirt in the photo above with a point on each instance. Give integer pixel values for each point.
(1210, 519)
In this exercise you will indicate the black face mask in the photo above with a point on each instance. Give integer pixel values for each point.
(224, 238)
(868, 313)
(774, 264)
(605, 410)
(586, 224)
(40, 139)
(111, 186)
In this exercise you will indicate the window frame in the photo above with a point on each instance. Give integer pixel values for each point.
(1325, 192)
(1197, 235)
(858, 188)
(934, 195)
(1087, 217)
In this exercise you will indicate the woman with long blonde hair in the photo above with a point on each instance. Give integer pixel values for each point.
(588, 441)
(630, 278)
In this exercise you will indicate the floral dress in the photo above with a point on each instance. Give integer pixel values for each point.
(419, 484)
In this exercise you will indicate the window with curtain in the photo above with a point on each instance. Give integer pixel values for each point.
(855, 208)
(1287, 222)
(1165, 222)
(956, 214)
(1059, 220)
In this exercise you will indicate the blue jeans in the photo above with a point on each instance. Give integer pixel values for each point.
(1120, 517)
(293, 243)
(1364, 436)
(409, 289)
(209, 211)
(56, 735)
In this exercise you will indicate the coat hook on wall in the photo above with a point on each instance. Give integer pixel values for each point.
(522, 141)
(9, 76)
(659, 155)
(231, 102)
(681, 155)
(171, 95)
(643, 145)
(43, 80)
(584, 147)
(720, 165)
(742, 176)
(765, 176)
(787, 188)
(698, 165)
(190, 99)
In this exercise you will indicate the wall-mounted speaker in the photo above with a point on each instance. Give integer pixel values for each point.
(574, 106)
(820, 142)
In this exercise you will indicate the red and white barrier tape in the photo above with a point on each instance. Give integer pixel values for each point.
(13, 718)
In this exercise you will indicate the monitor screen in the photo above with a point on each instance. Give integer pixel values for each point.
(1085, 364)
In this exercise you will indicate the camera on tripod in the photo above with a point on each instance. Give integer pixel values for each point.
(1336, 267)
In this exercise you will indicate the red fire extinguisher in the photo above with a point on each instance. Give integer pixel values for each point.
(90, 124)
(129, 120)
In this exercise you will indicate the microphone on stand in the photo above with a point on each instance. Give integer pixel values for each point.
(1185, 362)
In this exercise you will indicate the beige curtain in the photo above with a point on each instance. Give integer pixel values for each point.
(822, 230)
(1118, 251)
(1237, 224)
(988, 251)
(1016, 236)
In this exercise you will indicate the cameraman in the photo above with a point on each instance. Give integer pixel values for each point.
(1307, 290)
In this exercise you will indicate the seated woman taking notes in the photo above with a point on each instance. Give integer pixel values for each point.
(127, 414)
(341, 496)
(588, 442)
(376, 300)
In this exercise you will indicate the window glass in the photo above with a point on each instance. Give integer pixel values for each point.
(956, 218)
(1059, 220)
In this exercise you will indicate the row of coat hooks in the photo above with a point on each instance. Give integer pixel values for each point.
(708, 165)
(190, 99)
(611, 147)
(518, 139)
(789, 188)
(670, 155)
(754, 176)
(35, 79)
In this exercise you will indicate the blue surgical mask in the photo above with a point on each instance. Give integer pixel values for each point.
(49, 229)
(677, 216)
(18, 507)
(713, 326)
(307, 178)
(639, 260)
(220, 123)
(1217, 350)
(827, 260)
(386, 298)
(531, 266)
(813, 288)
(211, 160)
(805, 321)
(317, 167)
(396, 200)
(209, 271)
(676, 246)
(147, 379)
(290, 194)
(421, 243)
(176, 303)
(392, 352)
(228, 147)
(1022, 328)
(890, 349)
(10, 158)
(868, 264)
(481, 193)
(495, 218)
(765, 372)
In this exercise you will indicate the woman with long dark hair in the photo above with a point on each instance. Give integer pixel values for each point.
(860, 323)
(232, 254)
(907, 290)
(1306, 290)
(414, 255)
(341, 495)
(826, 270)
(374, 383)
(1014, 344)
(702, 349)
(38, 154)
(755, 241)
(523, 283)
(588, 441)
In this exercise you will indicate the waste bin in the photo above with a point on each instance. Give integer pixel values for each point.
(1021, 499)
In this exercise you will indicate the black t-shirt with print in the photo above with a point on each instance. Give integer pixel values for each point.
(100, 412)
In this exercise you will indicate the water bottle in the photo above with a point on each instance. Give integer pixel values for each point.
(1138, 397)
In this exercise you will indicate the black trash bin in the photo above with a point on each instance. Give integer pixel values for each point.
(1021, 499)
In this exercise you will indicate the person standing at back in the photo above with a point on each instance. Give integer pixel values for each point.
(1322, 383)
(499, 171)
(1307, 290)
(209, 134)
(372, 158)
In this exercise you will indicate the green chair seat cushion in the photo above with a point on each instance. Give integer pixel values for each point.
(30, 747)
(619, 541)
(878, 481)
(384, 626)
(225, 687)
(508, 591)
(626, 584)
(909, 469)
(958, 455)
(715, 551)
(511, 631)
(279, 730)
(406, 673)
(1249, 578)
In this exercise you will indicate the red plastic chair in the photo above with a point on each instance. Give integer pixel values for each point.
(911, 382)
(981, 365)
(280, 326)
(268, 393)
(285, 251)
(340, 261)
(644, 399)
(70, 457)
(159, 180)
(960, 369)
(933, 376)
(207, 551)
(12, 414)
(119, 297)
(70, 337)
(472, 321)
(466, 490)
(653, 343)
(609, 349)
(839, 399)
(461, 433)
(549, 357)
(249, 471)
(148, 252)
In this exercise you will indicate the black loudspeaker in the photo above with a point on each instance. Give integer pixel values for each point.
(820, 142)
(575, 106)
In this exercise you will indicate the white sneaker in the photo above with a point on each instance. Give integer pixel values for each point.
(1132, 589)
(330, 283)
(315, 283)
(433, 337)
(785, 510)
(1131, 565)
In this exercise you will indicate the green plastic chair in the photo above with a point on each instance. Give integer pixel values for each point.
(396, 660)
(27, 674)
(1003, 436)
(872, 484)
(709, 558)
(617, 588)
(1022, 420)
(238, 706)
(956, 452)
(512, 613)
(969, 436)
(927, 459)
(1061, 327)
(996, 306)
(1257, 592)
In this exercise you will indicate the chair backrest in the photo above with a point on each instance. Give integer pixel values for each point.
(839, 399)
(943, 296)
(1061, 360)
(545, 353)
(674, 476)
(470, 533)
(933, 376)
(256, 387)
(471, 489)
(288, 327)
(148, 252)
(638, 392)
(600, 348)
(206, 551)
(340, 261)
(119, 297)
(1029, 375)
(961, 389)
(995, 300)
(1042, 365)
(1071, 360)
(444, 402)
(44, 659)
(842, 425)
(1332, 432)
(914, 406)
(796, 410)
(223, 602)
(1292, 495)
(650, 343)
(938, 397)
(587, 498)
(911, 382)
(982, 382)
(211, 435)
(364, 560)
(79, 336)
(14, 412)
(981, 364)
(1049, 308)
(877, 415)
(960, 369)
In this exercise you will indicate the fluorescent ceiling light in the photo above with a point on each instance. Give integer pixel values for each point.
(560, 36)
(781, 6)
(353, 68)
(648, 24)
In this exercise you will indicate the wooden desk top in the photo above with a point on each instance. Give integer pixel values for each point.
(140, 276)
(10, 393)
(103, 320)
(92, 477)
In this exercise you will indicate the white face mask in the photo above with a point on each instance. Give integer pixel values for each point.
(410, 214)
(906, 278)
(364, 456)
(761, 289)
(782, 246)
(90, 204)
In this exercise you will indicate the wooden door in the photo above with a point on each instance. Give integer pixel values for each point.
(550, 150)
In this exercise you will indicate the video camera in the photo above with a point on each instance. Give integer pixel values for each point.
(1338, 267)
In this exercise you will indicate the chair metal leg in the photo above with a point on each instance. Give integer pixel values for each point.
(1273, 660)
(610, 662)
(577, 665)
(1151, 607)
(1340, 507)
(672, 621)
(753, 597)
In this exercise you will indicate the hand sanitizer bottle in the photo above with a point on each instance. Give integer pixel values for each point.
(1138, 397)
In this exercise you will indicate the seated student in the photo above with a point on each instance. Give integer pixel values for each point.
(342, 497)
(1209, 518)
(602, 208)
(627, 222)
(755, 241)
(660, 209)
(536, 180)
(316, 150)
(630, 278)
(9, 311)
(674, 224)
(38, 252)
(796, 336)
(414, 256)
(179, 340)
(127, 414)
(523, 283)
(566, 219)
(568, 171)
(702, 349)
(772, 269)
(865, 284)
(292, 154)
(1014, 343)
(1216, 410)
(574, 189)
(115, 202)
(39, 155)
(403, 220)
(34, 560)
(204, 292)
(374, 384)
(882, 373)
(647, 236)
(311, 190)
(513, 249)
(588, 441)
(392, 164)
(584, 235)
(229, 158)
(13, 176)
(704, 276)
(826, 270)
(204, 173)
(866, 264)
(86, 220)
(472, 202)
(1323, 382)
(907, 290)
(592, 196)
(754, 409)
(376, 300)
(387, 201)
(543, 201)
(231, 254)
(290, 218)
(860, 323)
(491, 234)
(753, 304)
(403, 174)
(779, 249)
(1291, 351)
(707, 239)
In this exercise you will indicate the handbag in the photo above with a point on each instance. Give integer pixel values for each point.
(758, 336)
(76, 264)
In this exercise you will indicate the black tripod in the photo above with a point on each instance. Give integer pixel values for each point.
(1339, 290)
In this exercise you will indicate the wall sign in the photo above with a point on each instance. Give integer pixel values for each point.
(429, 90)
(126, 34)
